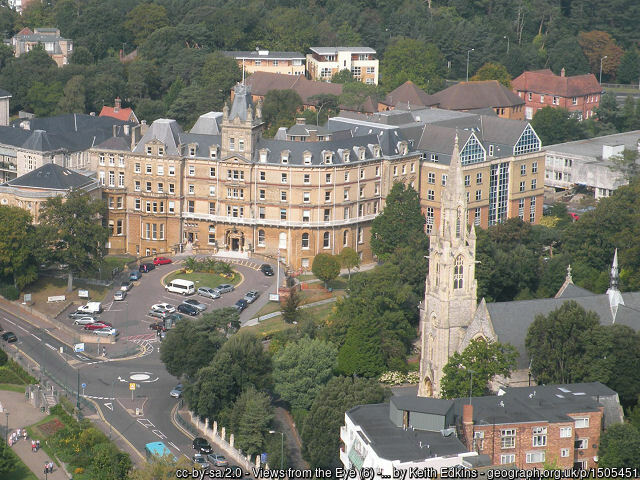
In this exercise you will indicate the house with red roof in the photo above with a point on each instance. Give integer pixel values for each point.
(124, 114)
(542, 88)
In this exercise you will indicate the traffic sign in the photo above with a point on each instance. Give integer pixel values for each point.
(132, 386)
(78, 347)
(84, 385)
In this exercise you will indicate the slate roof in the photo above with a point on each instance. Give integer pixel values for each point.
(413, 403)
(546, 82)
(208, 124)
(304, 129)
(261, 82)
(51, 177)
(259, 54)
(473, 95)
(164, 130)
(241, 103)
(574, 291)
(116, 143)
(394, 443)
(335, 50)
(202, 142)
(4, 93)
(409, 95)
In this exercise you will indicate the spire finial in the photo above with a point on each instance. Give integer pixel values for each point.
(569, 278)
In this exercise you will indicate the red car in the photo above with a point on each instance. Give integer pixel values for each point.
(158, 326)
(161, 261)
(98, 326)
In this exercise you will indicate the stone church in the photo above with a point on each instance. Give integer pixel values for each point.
(451, 316)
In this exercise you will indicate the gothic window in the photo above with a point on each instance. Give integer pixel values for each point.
(458, 273)
(458, 223)
(437, 274)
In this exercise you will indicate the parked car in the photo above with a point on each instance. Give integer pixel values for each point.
(107, 332)
(91, 307)
(158, 326)
(9, 337)
(224, 288)
(195, 303)
(174, 317)
(135, 276)
(208, 292)
(201, 445)
(200, 461)
(266, 269)
(146, 267)
(78, 314)
(218, 460)
(97, 326)
(240, 305)
(161, 261)
(251, 296)
(159, 313)
(126, 285)
(119, 295)
(84, 320)
(176, 392)
(163, 306)
(188, 309)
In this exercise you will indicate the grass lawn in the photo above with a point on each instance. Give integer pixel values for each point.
(276, 324)
(46, 287)
(19, 472)
(12, 388)
(306, 277)
(204, 279)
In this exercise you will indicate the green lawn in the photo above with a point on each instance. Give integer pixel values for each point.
(276, 324)
(204, 279)
(12, 388)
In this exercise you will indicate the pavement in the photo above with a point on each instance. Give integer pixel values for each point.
(22, 414)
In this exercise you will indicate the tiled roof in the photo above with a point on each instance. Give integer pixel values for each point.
(409, 95)
(123, 114)
(265, 54)
(52, 177)
(261, 82)
(474, 95)
(545, 82)
(335, 50)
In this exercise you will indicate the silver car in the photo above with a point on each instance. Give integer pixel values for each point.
(195, 303)
(251, 296)
(107, 332)
(201, 461)
(208, 292)
(86, 320)
(119, 295)
(224, 288)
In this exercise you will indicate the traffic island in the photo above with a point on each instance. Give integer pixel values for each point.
(135, 406)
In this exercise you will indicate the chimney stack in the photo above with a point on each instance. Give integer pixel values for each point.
(467, 425)
(467, 414)
(300, 121)
(562, 72)
(118, 103)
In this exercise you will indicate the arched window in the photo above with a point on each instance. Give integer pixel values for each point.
(326, 240)
(458, 273)
(458, 223)
(305, 241)
(282, 240)
(437, 274)
(345, 238)
(261, 238)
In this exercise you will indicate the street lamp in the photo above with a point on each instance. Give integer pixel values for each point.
(6, 431)
(468, 52)
(601, 67)
(281, 449)
(507, 43)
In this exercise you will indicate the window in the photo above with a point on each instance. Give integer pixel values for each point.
(521, 208)
(356, 71)
(172, 170)
(172, 188)
(192, 170)
(110, 202)
(160, 151)
(240, 145)
(261, 212)
(160, 187)
(136, 168)
(327, 178)
(327, 196)
(535, 457)
(491, 149)
(121, 160)
(404, 169)
(458, 273)
(136, 184)
(306, 197)
(235, 175)
(361, 210)
(283, 214)
(360, 234)
(172, 206)
(236, 212)
(574, 101)
(478, 195)
(413, 168)
(212, 190)
(565, 432)
(539, 436)
(261, 194)
(327, 214)
(510, 457)
(305, 241)
(472, 152)
(282, 240)
(376, 189)
(346, 194)
(326, 240)
(191, 206)
(112, 179)
(508, 438)
(118, 202)
(541, 98)
(101, 159)
(522, 186)
(523, 169)
(478, 440)
(148, 186)
(283, 178)
(346, 213)
(431, 178)
(444, 180)
(564, 452)
(283, 195)
(476, 217)
(306, 215)
(431, 195)
(530, 96)
(395, 171)
(534, 184)
(237, 193)
(478, 178)
(212, 208)
(306, 179)
(149, 150)
(261, 237)
(361, 192)
(361, 173)
(213, 152)
(192, 151)
(137, 204)
(467, 180)
(232, 144)
(147, 206)
(377, 171)
(371, 69)
(192, 189)
(121, 179)
(429, 220)
(532, 215)
(556, 100)
(212, 172)
(263, 176)
(534, 167)
(434, 157)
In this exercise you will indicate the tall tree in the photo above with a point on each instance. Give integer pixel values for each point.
(18, 246)
(343, 76)
(249, 420)
(290, 310)
(493, 71)
(349, 259)
(476, 366)
(280, 109)
(42, 98)
(629, 69)
(566, 53)
(409, 59)
(620, 447)
(401, 222)
(597, 45)
(557, 125)
(73, 98)
(75, 234)
(145, 19)
(326, 267)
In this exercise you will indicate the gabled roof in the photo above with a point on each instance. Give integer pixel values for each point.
(241, 103)
(123, 114)
(409, 95)
(474, 95)
(164, 130)
(546, 82)
(52, 177)
(261, 82)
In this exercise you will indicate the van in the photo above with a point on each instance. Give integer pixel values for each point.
(91, 307)
(184, 287)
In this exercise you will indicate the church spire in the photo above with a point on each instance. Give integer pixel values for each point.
(615, 297)
(615, 276)
(454, 200)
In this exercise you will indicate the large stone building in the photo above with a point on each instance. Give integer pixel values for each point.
(324, 62)
(223, 186)
(58, 48)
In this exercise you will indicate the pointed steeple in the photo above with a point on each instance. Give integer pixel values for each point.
(615, 276)
(615, 297)
(569, 278)
(454, 201)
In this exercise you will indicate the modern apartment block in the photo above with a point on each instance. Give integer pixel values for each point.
(58, 48)
(323, 62)
(287, 63)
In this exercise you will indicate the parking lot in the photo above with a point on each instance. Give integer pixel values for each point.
(131, 315)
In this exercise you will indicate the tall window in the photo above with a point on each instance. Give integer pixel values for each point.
(458, 273)
(282, 240)
(458, 223)
(345, 238)
(261, 238)
(305, 241)
(326, 240)
(429, 217)
(508, 438)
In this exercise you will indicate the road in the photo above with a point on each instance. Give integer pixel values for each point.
(107, 380)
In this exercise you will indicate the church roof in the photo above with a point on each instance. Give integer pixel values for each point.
(573, 291)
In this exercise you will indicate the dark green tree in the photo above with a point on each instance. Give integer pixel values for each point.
(567, 53)
(362, 352)
(290, 310)
(343, 76)
(280, 109)
(326, 267)
(145, 19)
(476, 366)
(18, 246)
(629, 69)
(249, 420)
(42, 98)
(401, 222)
(109, 463)
(556, 125)
(620, 447)
(607, 110)
(409, 59)
(8, 459)
(73, 98)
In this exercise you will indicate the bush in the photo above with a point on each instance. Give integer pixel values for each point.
(10, 292)
(20, 372)
(3, 357)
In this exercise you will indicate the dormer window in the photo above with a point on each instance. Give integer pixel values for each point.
(213, 152)
(307, 158)
(263, 156)
(345, 157)
(160, 151)
(362, 153)
(376, 151)
(149, 150)
(403, 148)
(192, 150)
(328, 158)
(284, 156)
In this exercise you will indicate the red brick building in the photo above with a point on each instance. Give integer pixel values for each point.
(542, 88)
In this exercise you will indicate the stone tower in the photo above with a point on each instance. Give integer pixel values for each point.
(450, 294)
(242, 125)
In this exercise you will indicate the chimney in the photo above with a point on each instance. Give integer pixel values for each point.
(300, 121)
(562, 72)
(467, 425)
(118, 103)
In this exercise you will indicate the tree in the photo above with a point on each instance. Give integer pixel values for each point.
(627, 163)
(280, 109)
(219, 73)
(493, 71)
(566, 53)
(401, 222)
(109, 463)
(556, 125)
(355, 94)
(349, 259)
(290, 312)
(556, 343)
(326, 267)
(145, 19)
(42, 98)
(165, 467)
(18, 246)
(362, 352)
(598, 44)
(620, 447)
(629, 69)
(409, 59)
(301, 369)
(249, 420)
(320, 442)
(343, 76)
(73, 98)
(74, 232)
(476, 366)
(192, 345)
(81, 56)
(8, 459)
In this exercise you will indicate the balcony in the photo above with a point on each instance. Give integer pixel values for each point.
(275, 222)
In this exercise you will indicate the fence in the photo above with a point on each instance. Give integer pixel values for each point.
(621, 85)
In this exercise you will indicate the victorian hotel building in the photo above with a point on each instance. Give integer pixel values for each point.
(224, 187)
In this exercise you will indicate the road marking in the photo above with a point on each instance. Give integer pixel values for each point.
(9, 321)
(145, 422)
(109, 405)
(82, 357)
(159, 434)
(22, 328)
(36, 337)
(173, 445)
(50, 346)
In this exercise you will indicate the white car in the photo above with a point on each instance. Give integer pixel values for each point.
(119, 295)
(163, 307)
(84, 320)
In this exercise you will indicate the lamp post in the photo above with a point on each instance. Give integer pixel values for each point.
(601, 67)
(281, 448)
(6, 431)
(468, 52)
(507, 43)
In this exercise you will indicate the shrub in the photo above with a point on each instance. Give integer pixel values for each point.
(20, 372)
(3, 357)
(79, 471)
(10, 292)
